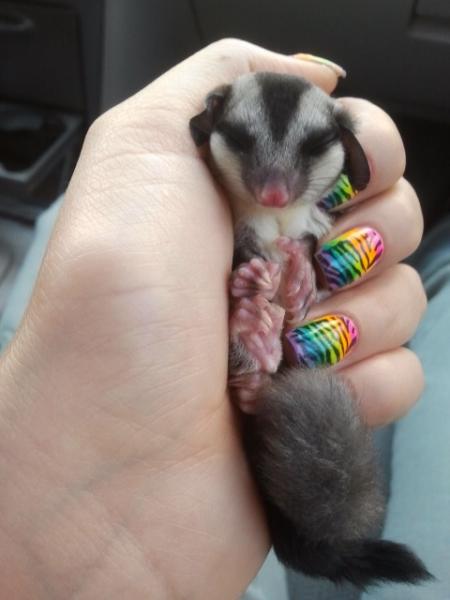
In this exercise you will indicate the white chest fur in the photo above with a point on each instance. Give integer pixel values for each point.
(293, 221)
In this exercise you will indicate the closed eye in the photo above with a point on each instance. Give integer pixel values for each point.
(236, 136)
(318, 142)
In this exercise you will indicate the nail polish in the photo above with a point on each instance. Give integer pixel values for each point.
(337, 69)
(350, 256)
(342, 192)
(322, 342)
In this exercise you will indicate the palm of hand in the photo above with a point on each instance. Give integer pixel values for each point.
(139, 288)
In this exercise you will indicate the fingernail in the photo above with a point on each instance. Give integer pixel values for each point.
(350, 256)
(337, 69)
(322, 342)
(342, 192)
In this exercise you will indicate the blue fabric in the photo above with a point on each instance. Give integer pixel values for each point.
(24, 283)
(419, 506)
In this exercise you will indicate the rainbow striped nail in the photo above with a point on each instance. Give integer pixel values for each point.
(342, 192)
(350, 256)
(322, 342)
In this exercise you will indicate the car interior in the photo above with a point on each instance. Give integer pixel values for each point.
(64, 62)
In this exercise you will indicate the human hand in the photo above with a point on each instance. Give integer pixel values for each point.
(120, 451)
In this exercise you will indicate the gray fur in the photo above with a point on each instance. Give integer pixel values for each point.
(315, 457)
(239, 360)
(309, 176)
(246, 244)
(313, 461)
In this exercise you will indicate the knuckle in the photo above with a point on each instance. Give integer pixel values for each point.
(105, 126)
(413, 287)
(227, 45)
(411, 366)
(412, 217)
(417, 368)
(392, 135)
(400, 302)
(232, 55)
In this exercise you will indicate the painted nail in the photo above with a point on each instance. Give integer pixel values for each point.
(350, 256)
(342, 192)
(337, 69)
(322, 342)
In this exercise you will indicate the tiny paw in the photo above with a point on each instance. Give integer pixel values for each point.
(257, 324)
(299, 296)
(298, 289)
(258, 276)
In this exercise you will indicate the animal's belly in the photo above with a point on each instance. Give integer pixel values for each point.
(294, 222)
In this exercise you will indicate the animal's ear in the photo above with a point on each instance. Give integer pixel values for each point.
(202, 124)
(356, 164)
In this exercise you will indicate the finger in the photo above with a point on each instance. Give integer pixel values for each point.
(371, 238)
(378, 316)
(383, 147)
(386, 385)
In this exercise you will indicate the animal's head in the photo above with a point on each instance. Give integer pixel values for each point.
(277, 139)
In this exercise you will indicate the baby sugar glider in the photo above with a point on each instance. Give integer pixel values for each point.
(278, 145)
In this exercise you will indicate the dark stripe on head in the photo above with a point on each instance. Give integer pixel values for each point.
(319, 140)
(236, 136)
(281, 95)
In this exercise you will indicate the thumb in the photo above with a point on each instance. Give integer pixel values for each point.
(183, 88)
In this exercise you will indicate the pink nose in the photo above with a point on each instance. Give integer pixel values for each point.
(275, 195)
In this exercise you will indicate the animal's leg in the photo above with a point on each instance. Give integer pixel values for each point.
(255, 347)
(298, 287)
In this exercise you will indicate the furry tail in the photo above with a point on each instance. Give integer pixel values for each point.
(361, 562)
(314, 463)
